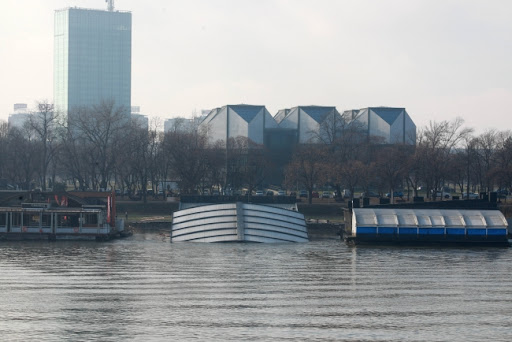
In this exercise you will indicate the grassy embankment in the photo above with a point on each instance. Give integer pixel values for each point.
(160, 211)
(321, 209)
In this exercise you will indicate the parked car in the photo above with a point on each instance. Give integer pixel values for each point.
(440, 194)
(215, 193)
(470, 196)
(281, 193)
(315, 194)
(327, 194)
(502, 193)
(259, 193)
(270, 193)
(396, 194)
(369, 194)
(303, 193)
(293, 194)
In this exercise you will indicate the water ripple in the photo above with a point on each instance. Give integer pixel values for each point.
(147, 289)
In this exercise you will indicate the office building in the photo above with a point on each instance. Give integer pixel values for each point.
(19, 117)
(92, 59)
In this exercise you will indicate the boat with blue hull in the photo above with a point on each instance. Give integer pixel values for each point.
(427, 226)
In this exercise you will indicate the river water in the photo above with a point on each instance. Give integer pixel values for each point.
(145, 289)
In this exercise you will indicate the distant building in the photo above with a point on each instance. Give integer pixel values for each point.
(140, 120)
(393, 125)
(19, 117)
(180, 124)
(308, 121)
(281, 114)
(233, 121)
(350, 115)
(92, 59)
(304, 124)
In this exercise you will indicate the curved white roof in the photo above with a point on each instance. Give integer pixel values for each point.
(464, 218)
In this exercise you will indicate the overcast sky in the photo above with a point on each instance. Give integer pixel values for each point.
(438, 59)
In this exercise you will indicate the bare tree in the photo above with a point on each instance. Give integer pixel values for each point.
(44, 123)
(391, 166)
(308, 168)
(187, 152)
(4, 141)
(350, 175)
(247, 164)
(22, 157)
(436, 143)
(100, 127)
(486, 150)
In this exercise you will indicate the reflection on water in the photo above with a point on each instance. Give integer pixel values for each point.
(145, 288)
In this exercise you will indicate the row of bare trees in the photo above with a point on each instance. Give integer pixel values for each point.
(104, 150)
(446, 154)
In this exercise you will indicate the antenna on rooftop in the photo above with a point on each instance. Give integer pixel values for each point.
(110, 5)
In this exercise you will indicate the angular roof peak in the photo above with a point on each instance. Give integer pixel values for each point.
(388, 114)
(317, 113)
(246, 112)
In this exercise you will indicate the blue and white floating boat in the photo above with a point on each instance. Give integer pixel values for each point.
(458, 226)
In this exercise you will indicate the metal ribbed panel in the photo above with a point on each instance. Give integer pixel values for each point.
(238, 222)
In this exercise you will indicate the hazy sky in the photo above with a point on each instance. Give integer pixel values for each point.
(438, 59)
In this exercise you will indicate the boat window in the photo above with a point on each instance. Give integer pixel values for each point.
(31, 219)
(16, 219)
(387, 220)
(495, 220)
(90, 219)
(424, 221)
(68, 220)
(46, 220)
(3, 219)
(407, 220)
(474, 220)
(454, 221)
(437, 220)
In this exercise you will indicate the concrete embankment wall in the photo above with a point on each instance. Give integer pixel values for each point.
(316, 231)
(322, 231)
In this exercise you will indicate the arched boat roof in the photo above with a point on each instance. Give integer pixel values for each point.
(428, 218)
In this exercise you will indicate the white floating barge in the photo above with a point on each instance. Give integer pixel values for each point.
(238, 222)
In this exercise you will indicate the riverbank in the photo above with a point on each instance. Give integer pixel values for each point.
(316, 231)
(136, 211)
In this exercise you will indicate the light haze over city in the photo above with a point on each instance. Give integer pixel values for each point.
(438, 59)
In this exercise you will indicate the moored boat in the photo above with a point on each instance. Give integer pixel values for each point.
(426, 226)
(67, 216)
(239, 222)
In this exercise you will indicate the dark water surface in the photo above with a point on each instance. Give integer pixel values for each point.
(146, 289)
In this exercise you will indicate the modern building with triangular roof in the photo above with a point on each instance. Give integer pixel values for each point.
(392, 124)
(307, 121)
(281, 114)
(232, 121)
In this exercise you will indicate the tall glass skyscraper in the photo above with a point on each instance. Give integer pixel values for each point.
(92, 59)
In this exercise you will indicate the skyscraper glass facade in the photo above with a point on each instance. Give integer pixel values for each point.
(92, 59)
